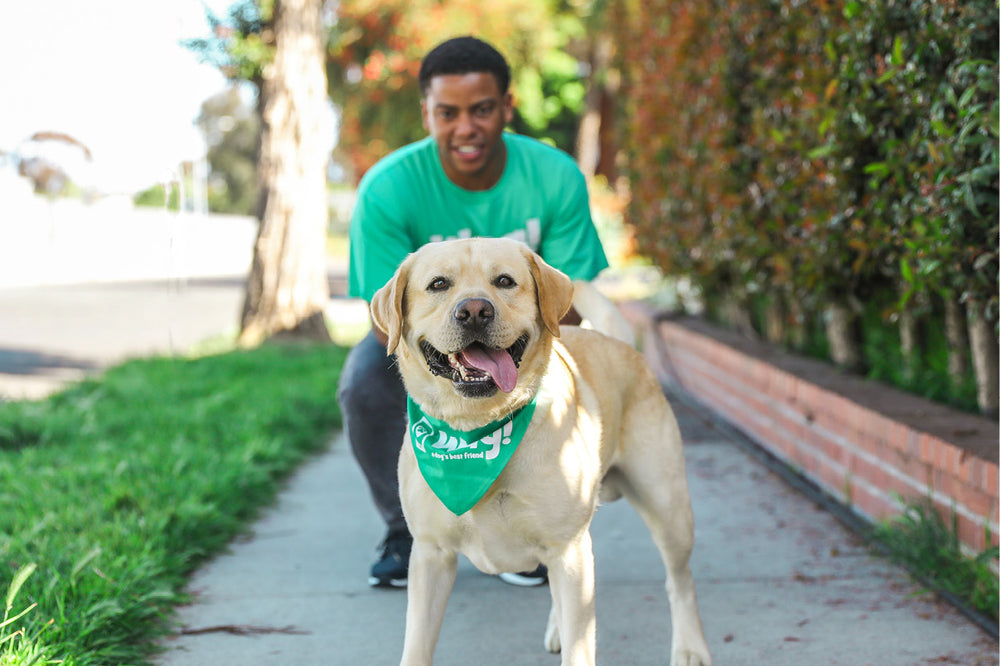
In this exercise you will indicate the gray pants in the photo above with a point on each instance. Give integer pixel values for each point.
(373, 403)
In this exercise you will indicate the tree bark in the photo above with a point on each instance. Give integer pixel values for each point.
(588, 138)
(957, 335)
(909, 341)
(735, 312)
(287, 289)
(841, 333)
(775, 319)
(983, 341)
(797, 333)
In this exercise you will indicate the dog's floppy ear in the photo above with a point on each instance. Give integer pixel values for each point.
(387, 307)
(554, 290)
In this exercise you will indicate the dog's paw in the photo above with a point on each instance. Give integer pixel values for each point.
(690, 657)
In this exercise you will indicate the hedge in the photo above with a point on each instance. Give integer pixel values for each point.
(821, 160)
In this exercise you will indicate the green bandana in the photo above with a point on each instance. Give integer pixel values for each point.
(461, 466)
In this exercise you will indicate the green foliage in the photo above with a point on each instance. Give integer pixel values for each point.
(241, 43)
(232, 132)
(921, 539)
(374, 53)
(912, 125)
(155, 197)
(926, 374)
(119, 487)
(374, 49)
(15, 649)
(550, 98)
(815, 152)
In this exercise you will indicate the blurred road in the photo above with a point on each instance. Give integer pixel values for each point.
(85, 287)
(50, 335)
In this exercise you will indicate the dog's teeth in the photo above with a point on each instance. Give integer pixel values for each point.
(454, 362)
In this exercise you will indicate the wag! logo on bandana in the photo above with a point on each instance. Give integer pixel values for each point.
(460, 466)
(444, 445)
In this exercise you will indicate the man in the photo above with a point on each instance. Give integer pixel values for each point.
(468, 178)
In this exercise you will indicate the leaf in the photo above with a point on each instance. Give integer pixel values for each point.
(84, 561)
(907, 295)
(821, 151)
(982, 175)
(887, 76)
(963, 101)
(897, 51)
(930, 267)
(831, 89)
(943, 129)
(983, 260)
(970, 198)
(17, 617)
(878, 169)
(906, 271)
(15, 586)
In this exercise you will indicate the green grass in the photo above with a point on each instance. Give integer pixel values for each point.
(922, 540)
(117, 488)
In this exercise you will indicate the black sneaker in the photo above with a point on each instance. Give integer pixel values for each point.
(539, 576)
(393, 563)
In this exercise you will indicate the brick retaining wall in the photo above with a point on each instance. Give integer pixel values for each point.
(863, 443)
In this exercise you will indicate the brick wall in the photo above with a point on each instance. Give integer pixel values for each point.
(863, 443)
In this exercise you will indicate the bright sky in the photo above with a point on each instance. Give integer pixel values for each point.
(111, 74)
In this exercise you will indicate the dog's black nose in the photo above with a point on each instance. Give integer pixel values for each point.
(474, 313)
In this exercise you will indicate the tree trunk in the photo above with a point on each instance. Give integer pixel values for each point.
(841, 333)
(287, 289)
(909, 342)
(797, 332)
(983, 341)
(957, 335)
(775, 318)
(735, 313)
(588, 137)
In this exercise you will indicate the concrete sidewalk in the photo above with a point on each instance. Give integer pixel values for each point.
(780, 582)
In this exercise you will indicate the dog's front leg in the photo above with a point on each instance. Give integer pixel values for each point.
(430, 579)
(571, 578)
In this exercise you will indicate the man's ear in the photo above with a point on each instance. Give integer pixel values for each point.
(423, 114)
(387, 307)
(553, 289)
(508, 108)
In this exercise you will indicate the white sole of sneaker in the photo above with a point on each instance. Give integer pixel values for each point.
(393, 582)
(521, 581)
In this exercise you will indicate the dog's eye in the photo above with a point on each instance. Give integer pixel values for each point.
(439, 284)
(504, 282)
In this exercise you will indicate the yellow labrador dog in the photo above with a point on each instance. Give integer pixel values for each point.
(474, 324)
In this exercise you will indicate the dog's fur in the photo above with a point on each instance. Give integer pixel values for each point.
(604, 431)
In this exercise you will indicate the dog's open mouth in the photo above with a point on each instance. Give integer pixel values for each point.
(478, 367)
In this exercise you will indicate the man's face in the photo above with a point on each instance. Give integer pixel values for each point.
(466, 114)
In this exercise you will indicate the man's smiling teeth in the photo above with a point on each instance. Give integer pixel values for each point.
(468, 150)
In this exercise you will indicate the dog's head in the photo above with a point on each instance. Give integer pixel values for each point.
(464, 316)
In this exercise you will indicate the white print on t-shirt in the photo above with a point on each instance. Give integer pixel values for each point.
(531, 235)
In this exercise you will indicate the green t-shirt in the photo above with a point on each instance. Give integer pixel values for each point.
(406, 201)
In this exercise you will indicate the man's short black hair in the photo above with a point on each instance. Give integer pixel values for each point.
(464, 55)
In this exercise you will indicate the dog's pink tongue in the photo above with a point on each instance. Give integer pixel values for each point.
(496, 362)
